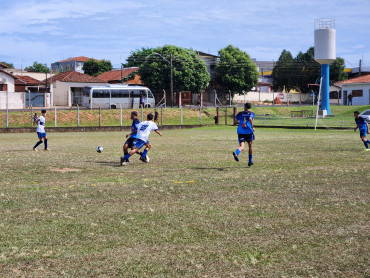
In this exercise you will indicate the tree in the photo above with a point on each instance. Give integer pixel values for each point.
(95, 68)
(297, 73)
(10, 65)
(189, 72)
(37, 67)
(236, 71)
(138, 56)
(283, 71)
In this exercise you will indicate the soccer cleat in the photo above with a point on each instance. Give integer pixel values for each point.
(124, 161)
(250, 164)
(35, 149)
(143, 159)
(235, 156)
(366, 150)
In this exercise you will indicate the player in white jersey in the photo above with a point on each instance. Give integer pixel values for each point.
(142, 133)
(41, 134)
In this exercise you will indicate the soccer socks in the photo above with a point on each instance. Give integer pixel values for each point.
(250, 158)
(37, 144)
(237, 151)
(366, 143)
(127, 156)
(144, 153)
(46, 143)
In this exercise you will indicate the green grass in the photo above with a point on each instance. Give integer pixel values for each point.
(268, 116)
(301, 211)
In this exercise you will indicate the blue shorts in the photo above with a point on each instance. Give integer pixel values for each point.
(245, 137)
(363, 133)
(138, 143)
(41, 135)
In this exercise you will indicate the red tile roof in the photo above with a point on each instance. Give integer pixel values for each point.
(116, 75)
(8, 73)
(3, 66)
(74, 76)
(356, 80)
(27, 80)
(77, 59)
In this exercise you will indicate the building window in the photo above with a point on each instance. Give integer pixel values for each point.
(357, 93)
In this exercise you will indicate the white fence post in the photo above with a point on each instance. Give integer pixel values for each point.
(200, 115)
(78, 115)
(55, 116)
(181, 114)
(120, 113)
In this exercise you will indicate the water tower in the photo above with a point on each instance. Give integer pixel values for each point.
(325, 54)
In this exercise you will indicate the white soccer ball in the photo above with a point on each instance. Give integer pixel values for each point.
(99, 149)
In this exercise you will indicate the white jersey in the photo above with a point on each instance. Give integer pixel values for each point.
(41, 125)
(144, 129)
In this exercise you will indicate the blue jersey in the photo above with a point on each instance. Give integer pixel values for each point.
(245, 126)
(133, 127)
(361, 123)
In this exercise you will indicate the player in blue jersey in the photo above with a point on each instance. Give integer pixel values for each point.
(363, 126)
(245, 132)
(132, 136)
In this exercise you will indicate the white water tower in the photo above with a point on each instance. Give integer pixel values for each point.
(325, 54)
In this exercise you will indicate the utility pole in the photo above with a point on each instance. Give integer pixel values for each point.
(359, 69)
(172, 100)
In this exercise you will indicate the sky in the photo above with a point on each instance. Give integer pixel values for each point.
(49, 31)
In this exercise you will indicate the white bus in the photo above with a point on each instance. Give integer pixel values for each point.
(115, 96)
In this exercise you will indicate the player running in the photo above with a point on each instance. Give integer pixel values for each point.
(131, 137)
(245, 132)
(41, 131)
(363, 126)
(142, 133)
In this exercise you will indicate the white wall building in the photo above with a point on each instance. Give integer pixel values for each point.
(358, 88)
(70, 64)
(6, 81)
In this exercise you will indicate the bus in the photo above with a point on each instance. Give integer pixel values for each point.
(116, 96)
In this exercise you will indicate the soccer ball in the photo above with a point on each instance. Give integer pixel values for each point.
(99, 149)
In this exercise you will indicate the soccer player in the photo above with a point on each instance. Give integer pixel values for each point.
(41, 131)
(142, 133)
(363, 126)
(245, 132)
(131, 137)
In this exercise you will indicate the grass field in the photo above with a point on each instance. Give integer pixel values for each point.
(301, 211)
(267, 116)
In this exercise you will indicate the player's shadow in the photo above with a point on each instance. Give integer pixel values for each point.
(107, 163)
(218, 168)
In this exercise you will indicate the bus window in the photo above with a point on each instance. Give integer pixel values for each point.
(150, 95)
(86, 91)
(105, 94)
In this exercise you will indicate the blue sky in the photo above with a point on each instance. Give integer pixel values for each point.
(49, 31)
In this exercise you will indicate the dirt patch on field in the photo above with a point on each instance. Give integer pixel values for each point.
(64, 170)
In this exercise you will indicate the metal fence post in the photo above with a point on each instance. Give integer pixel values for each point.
(218, 115)
(99, 115)
(55, 116)
(78, 115)
(31, 115)
(181, 114)
(120, 115)
(225, 115)
(7, 115)
(162, 115)
(142, 113)
(200, 115)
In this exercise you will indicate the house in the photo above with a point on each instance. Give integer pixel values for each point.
(127, 75)
(7, 81)
(68, 86)
(75, 64)
(25, 83)
(358, 87)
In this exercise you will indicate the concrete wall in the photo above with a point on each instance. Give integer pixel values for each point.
(62, 94)
(14, 100)
(256, 97)
(9, 80)
(364, 100)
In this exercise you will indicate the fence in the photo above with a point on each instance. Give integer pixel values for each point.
(81, 117)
